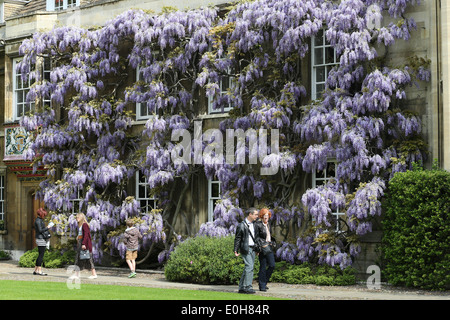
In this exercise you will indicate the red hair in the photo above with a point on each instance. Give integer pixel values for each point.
(265, 211)
(41, 212)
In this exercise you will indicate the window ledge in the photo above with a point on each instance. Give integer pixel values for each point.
(213, 116)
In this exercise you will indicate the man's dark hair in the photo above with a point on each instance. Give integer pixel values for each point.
(250, 210)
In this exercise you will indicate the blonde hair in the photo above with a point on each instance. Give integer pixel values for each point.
(83, 219)
(129, 223)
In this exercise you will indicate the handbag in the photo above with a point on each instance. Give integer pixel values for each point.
(47, 235)
(266, 248)
(85, 255)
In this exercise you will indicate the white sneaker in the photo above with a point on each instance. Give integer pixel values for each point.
(93, 277)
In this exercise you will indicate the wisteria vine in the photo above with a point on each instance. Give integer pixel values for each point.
(91, 150)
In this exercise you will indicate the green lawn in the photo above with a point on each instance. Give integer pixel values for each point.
(36, 290)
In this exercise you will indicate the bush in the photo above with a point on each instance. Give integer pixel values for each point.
(206, 260)
(307, 274)
(4, 255)
(52, 258)
(416, 241)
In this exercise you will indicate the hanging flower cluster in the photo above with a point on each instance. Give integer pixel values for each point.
(164, 63)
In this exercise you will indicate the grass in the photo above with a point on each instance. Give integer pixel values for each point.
(37, 290)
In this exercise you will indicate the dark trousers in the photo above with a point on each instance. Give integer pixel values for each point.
(40, 257)
(266, 267)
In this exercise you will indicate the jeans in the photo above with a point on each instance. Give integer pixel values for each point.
(266, 267)
(247, 275)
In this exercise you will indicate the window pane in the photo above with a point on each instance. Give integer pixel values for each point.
(143, 205)
(144, 110)
(331, 170)
(225, 84)
(318, 40)
(142, 192)
(319, 90)
(329, 55)
(320, 74)
(215, 190)
(20, 97)
(320, 174)
(318, 56)
(18, 82)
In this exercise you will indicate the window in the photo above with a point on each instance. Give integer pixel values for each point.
(224, 84)
(323, 60)
(323, 177)
(213, 196)
(142, 111)
(45, 70)
(58, 5)
(146, 202)
(2, 200)
(22, 87)
(20, 91)
(76, 202)
(2, 11)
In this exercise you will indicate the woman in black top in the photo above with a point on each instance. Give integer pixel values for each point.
(42, 236)
(267, 260)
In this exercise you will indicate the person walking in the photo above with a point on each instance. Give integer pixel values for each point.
(132, 236)
(245, 244)
(42, 239)
(266, 256)
(84, 243)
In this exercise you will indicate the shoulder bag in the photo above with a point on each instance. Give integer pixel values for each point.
(257, 247)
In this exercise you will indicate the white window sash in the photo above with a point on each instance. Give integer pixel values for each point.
(146, 199)
(50, 5)
(25, 86)
(139, 105)
(326, 178)
(315, 65)
(212, 199)
(2, 197)
(222, 92)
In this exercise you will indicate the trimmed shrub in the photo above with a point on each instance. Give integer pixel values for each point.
(416, 241)
(206, 260)
(52, 258)
(4, 255)
(307, 274)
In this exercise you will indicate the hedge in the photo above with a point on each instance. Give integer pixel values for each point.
(52, 258)
(206, 260)
(306, 273)
(416, 241)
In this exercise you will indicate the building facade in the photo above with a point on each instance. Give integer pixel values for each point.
(18, 183)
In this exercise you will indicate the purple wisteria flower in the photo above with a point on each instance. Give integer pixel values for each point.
(250, 61)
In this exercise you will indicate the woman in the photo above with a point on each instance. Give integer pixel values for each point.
(42, 239)
(84, 242)
(267, 260)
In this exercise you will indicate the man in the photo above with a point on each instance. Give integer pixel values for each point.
(244, 243)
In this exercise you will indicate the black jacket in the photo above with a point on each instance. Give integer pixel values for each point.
(260, 231)
(40, 227)
(241, 238)
(261, 234)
